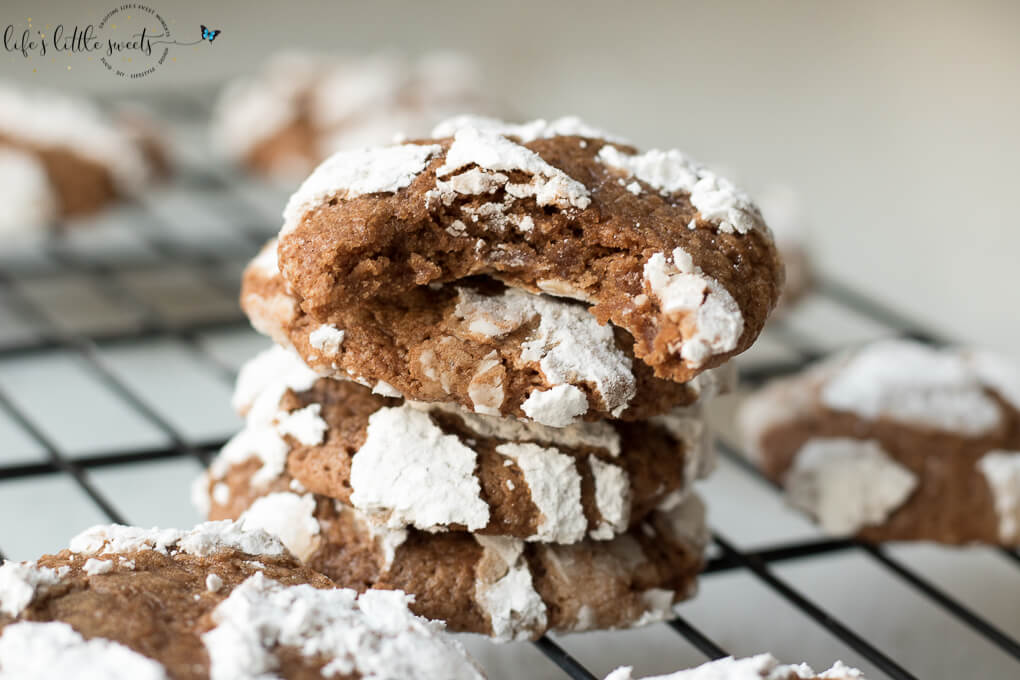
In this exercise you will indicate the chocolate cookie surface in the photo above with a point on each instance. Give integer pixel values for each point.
(656, 245)
(502, 587)
(492, 349)
(897, 441)
(439, 467)
(213, 602)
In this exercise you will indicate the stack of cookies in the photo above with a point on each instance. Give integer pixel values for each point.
(492, 350)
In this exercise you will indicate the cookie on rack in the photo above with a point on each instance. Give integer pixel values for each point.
(439, 467)
(759, 667)
(216, 601)
(488, 348)
(89, 160)
(896, 441)
(654, 244)
(503, 587)
(301, 107)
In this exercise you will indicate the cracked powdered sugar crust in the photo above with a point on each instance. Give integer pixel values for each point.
(684, 289)
(55, 651)
(353, 173)
(760, 667)
(599, 434)
(373, 635)
(569, 346)
(21, 581)
(847, 484)
(911, 383)
(289, 517)
(715, 197)
(202, 540)
(555, 488)
(505, 591)
(1001, 470)
(412, 473)
(612, 498)
(491, 151)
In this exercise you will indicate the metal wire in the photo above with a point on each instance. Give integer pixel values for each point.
(155, 325)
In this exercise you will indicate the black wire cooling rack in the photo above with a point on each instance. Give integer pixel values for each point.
(213, 265)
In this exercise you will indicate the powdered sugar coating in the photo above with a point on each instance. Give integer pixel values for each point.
(94, 566)
(21, 581)
(29, 198)
(555, 488)
(558, 406)
(305, 424)
(612, 498)
(847, 484)
(373, 635)
(254, 441)
(413, 474)
(912, 383)
(505, 591)
(715, 197)
(1001, 470)
(569, 346)
(263, 380)
(290, 517)
(202, 540)
(327, 338)
(549, 186)
(760, 667)
(567, 126)
(353, 173)
(998, 373)
(684, 289)
(55, 651)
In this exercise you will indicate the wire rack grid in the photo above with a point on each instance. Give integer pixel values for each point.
(119, 343)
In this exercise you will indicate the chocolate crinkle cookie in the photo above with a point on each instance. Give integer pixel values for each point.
(63, 157)
(217, 601)
(650, 243)
(759, 667)
(897, 441)
(439, 467)
(503, 587)
(489, 348)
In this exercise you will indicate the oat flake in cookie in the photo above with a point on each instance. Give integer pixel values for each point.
(759, 667)
(438, 467)
(491, 349)
(217, 601)
(897, 441)
(498, 586)
(653, 243)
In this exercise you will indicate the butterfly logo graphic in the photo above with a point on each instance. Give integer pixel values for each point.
(209, 34)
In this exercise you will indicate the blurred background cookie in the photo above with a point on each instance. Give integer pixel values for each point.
(301, 107)
(896, 441)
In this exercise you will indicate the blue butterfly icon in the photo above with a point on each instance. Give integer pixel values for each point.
(209, 34)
